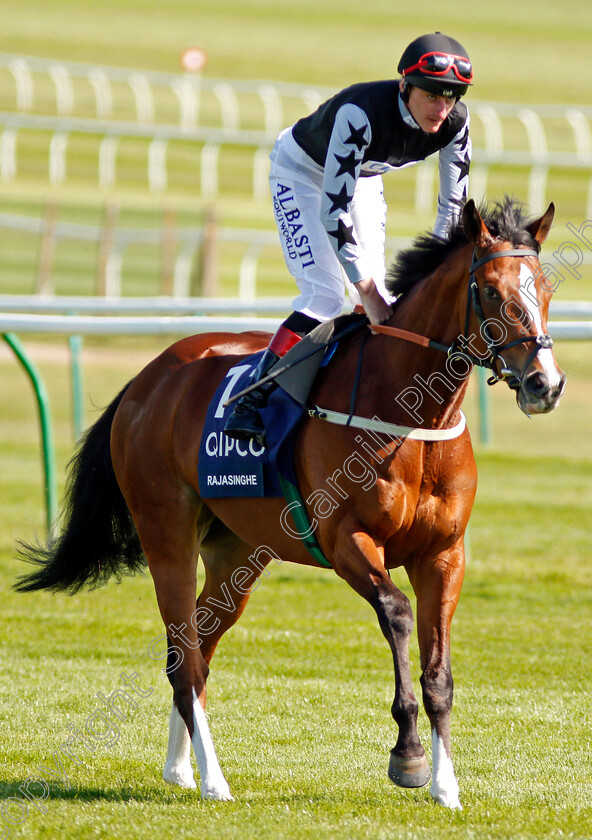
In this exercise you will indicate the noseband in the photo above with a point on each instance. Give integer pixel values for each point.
(474, 301)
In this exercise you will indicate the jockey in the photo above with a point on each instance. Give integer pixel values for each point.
(328, 167)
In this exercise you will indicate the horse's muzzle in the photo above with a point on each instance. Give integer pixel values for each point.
(537, 395)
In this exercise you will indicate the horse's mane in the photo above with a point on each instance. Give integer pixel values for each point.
(506, 221)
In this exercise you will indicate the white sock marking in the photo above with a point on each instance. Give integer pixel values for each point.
(213, 783)
(177, 768)
(444, 787)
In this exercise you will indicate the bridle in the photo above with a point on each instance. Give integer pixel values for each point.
(474, 305)
(474, 302)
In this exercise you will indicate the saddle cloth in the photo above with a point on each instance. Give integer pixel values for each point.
(235, 468)
(228, 467)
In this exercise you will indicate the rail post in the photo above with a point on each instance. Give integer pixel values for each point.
(49, 471)
(484, 428)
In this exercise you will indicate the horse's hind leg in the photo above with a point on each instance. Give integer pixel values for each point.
(231, 573)
(177, 768)
(169, 537)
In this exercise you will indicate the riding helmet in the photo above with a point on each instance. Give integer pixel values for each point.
(442, 83)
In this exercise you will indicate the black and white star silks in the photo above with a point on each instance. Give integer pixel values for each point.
(340, 200)
(350, 137)
(357, 137)
(343, 234)
(347, 165)
(454, 164)
(347, 155)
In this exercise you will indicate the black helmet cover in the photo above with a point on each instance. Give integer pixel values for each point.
(442, 84)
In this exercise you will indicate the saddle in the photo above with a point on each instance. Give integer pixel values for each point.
(301, 363)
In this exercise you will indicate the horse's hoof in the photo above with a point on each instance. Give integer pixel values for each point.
(217, 794)
(179, 776)
(409, 772)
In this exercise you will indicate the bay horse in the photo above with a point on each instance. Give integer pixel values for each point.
(403, 501)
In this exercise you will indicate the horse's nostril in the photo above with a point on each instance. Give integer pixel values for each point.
(537, 383)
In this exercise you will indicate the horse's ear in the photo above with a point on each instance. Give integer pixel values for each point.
(539, 229)
(475, 228)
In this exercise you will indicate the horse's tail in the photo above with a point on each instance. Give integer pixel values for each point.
(98, 538)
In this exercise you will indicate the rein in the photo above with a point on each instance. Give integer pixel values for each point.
(474, 303)
(406, 335)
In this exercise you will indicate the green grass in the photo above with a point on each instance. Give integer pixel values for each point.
(301, 688)
(300, 691)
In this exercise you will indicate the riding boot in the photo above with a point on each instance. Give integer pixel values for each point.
(245, 422)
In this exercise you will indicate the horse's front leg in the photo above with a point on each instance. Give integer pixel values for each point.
(358, 561)
(437, 584)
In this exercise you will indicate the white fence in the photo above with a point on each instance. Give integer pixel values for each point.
(186, 242)
(88, 102)
(208, 143)
(187, 89)
(185, 92)
(21, 313)
(232, 123)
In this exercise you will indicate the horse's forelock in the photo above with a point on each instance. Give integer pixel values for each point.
(508, 223)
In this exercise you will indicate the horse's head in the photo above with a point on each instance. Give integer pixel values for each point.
(509, 298)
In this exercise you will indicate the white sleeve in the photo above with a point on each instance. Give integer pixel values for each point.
(455, 160)
(351, 135)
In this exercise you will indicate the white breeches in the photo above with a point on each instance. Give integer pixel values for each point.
(296, 184)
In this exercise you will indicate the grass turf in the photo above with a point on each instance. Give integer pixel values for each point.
(300, 690)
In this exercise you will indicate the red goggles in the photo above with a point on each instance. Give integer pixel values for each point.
(438, 64)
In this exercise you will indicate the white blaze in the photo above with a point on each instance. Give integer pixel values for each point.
(529, 298)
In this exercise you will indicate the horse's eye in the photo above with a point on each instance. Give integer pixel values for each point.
(491, 293)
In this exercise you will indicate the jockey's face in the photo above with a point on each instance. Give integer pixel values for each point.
(428, 109)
